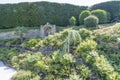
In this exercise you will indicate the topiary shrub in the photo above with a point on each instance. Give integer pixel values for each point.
(83, 15)
(91, 21)
(101, 14)
(72, 21)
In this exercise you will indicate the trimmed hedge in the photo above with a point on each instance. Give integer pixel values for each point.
(113, 7)
(91, 21)
(101, 14)
(72, 21)
(37, 13)
(83, 15)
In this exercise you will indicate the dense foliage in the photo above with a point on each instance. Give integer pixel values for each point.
(72, 21)
(89, 56)
(101, 14)
(91, 21)
(112, 7)
(37, 13)
(83, 15)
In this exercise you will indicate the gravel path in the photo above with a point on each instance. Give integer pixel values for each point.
(6, 72)
(10, 35)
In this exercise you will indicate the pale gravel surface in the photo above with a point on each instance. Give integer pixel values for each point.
(6, 72)
(11, 35)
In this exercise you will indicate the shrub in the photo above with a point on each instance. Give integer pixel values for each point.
(112, 6)
(83, 15)
(84, 33)
(72, 21)
(72, 39)
(91, 21)
(84, 71)
(87, 45)
(101, 14)
(20, 31)
(29, 62)
(75, 77)
(22, 75)
(37, 78)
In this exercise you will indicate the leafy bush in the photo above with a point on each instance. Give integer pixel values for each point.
(22, 75)
(87, 45)
(20, 31)
(72, 39)
(110, 6)
(101, 14)
(7, 54)
(30, 60)
(75, 77)
(36, 78)
(83, 15)
(72, 21)
(91, 21)
(84, 71)
(85, 33)
(98, 62)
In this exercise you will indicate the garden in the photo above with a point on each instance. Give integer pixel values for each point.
(88, 49)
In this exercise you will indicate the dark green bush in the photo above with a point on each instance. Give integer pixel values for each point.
(112, 6)
(72, 21)
(101, 14)
(37, 13)
(83, 15)
(91, 21)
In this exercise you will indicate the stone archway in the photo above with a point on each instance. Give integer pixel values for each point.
(47, 29)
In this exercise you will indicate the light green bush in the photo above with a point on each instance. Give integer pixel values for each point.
(72, 21)
(87, 45)
(85, 33)
(83, 15)
(101, 14)
(22, 75)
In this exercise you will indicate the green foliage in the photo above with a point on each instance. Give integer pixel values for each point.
(32, 43)
(101, 14)
(85, 33)
(30, 60)
(84, 71)
(75, 77)
(14, 62)
(87, 45)
(72, 39)
(83, 15)
(37, 13)
(98, 62)
(91, 21)
(91, 58)
(37, 78)
(72, 21)
(20, 31)
(112, 7)
(7, 54)
(22, 75)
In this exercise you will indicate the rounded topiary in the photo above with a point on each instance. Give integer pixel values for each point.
(101, 14)
(83, 15)
(91, 21)
(72, 21)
